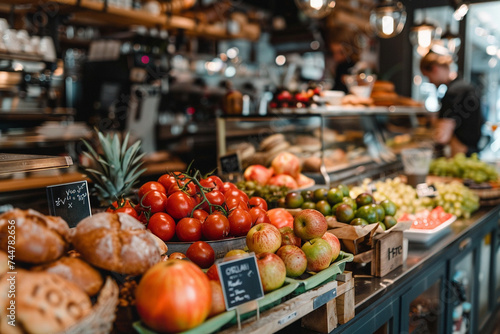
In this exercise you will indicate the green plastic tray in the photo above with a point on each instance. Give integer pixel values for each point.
(211, 325)
(309, 281)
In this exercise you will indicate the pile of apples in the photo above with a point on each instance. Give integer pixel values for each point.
(285, 171)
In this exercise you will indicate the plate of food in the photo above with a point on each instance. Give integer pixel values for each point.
(427, 225)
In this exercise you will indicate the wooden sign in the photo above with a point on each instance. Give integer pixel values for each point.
(240, 281)
(388, 253)
(230, 163)
(70, 201)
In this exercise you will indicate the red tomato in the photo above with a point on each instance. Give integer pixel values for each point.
(258, 216)
(173, 296)
(258, 202)
(167, 180)
(154, 200)
(123, 205)
(279, 217)
(179, 205)
(240, 222)
(189, 187)
(215, 227)
(237, 193)
(201, 253)
(162, 225)
(142, 213)
(200, 214)
(188, 229)
(213, 273)
(177, 256)
(226, 186)
(150, 186)
(233, 202)
(212, 182)
(214, 197)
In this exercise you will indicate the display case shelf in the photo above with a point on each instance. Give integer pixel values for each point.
(13, 163)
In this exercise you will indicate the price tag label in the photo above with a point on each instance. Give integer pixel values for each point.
(240, 281)
(230, 163)
(425, 190)
(70, 201)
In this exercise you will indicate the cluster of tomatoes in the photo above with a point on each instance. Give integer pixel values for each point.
(180, 207)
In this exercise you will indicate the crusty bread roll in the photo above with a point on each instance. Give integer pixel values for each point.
(116, 242)
(44, 303)
(76, 271)
(38, 238)
(383, 86)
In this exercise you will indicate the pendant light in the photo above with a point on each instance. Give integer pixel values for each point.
(388, 18)
(450, 41)
(315, 9)
(424, 34)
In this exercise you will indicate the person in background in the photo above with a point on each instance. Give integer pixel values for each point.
(459, 120)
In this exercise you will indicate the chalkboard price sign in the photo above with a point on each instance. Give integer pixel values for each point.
(230, 163)
(240, 281)
(70, 201)
(425, 190)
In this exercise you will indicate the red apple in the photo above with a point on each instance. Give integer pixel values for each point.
(236, 253)
(283, 180)
(213, 273)
(284, 96)
(263, 238)
(334, 243)
(272, 271)
(286, 163)
(258, 173)
(294, 258)
(309, 224)
(288, 237)
(218, 305)
(318, 253)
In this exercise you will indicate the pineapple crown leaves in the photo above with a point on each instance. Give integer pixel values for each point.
(117, 169)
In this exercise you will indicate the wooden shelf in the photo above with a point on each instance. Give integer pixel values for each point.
(36, 182)
(13, 163)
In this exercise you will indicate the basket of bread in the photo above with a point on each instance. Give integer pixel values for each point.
(54, 279)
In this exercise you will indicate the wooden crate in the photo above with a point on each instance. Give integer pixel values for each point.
(320, 309)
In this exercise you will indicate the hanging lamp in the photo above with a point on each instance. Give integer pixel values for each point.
(388, 18)
(315, 9)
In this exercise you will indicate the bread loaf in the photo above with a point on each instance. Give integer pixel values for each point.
(116, 242)
(76, 271)
(38, 238)
(45, 303)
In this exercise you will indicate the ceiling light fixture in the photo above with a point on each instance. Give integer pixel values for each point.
(388, 18)
(315, 9)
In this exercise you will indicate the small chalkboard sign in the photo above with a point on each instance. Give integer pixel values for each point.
(425, 190)
(240, 281)
(230, 163)
(70, 201)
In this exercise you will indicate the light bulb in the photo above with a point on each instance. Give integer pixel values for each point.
(388, 19)
(461, 11)
(424, 34)
(316, 8)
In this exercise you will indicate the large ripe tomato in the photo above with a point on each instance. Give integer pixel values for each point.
(233, 202)
(215, 227)
(259, 216)
(201, 253)
(213, 273)
(259, 202)
(200, 214)
(184, 185)
(125, 206)
(214, 197)
(166, 180)
(237, 193)
(162, 225)
(226, 186)
(279, 217)
(212, 182)
(179, 205)
(188, 229)
(150, 186)
(154, 200)
(240, 222)
(173, 296)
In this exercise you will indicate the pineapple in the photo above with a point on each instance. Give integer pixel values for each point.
(114, 172)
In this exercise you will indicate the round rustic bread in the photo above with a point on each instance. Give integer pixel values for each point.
(116, 242)
(38, 238)
(44, 303)
(76, 271)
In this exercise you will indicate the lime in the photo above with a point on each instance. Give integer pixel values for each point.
(334, 196)
(389, 221)
(382, 225)
(293, 200)
(359, 222)
(344, 213)
(344, 188)
(389, 207)
(308, 205)
(308, 195)
(368, 213)
(324, 207)
(350, 201)
(380, 211)
(364, 199)
(320, 194)
(336, 206)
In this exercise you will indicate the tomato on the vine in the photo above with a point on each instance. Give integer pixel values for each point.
(258, 216)
(201, 253)
(215, 227)
(259, 202)
(279, 217)
(162, 225)
(200, 214)
(189, 187)
(214, 197)
(226, 186)
(151, 186)
(240, 222)
(236, 193)
(154, 201)
(179, 205)
(123, 205)
(188, 229)
(233, 202)
(212, 182)
(167, 180)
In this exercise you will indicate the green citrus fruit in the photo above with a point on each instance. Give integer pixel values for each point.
(359, 222)
(308, 205)
(293, 200)
(320, 194)
(382, 225)
(389, 221)
(344, 189)
(364, 199)
(344, 213)
(334, 196)
(308, 195)
(368, 213)
(389, 207)
(324, 207)
(380, 211)
(350, 201)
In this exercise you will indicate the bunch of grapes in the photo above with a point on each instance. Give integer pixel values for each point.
(271, 193)
(466, 168)
(455, 198)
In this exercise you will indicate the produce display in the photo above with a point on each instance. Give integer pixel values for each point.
(465, 168)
